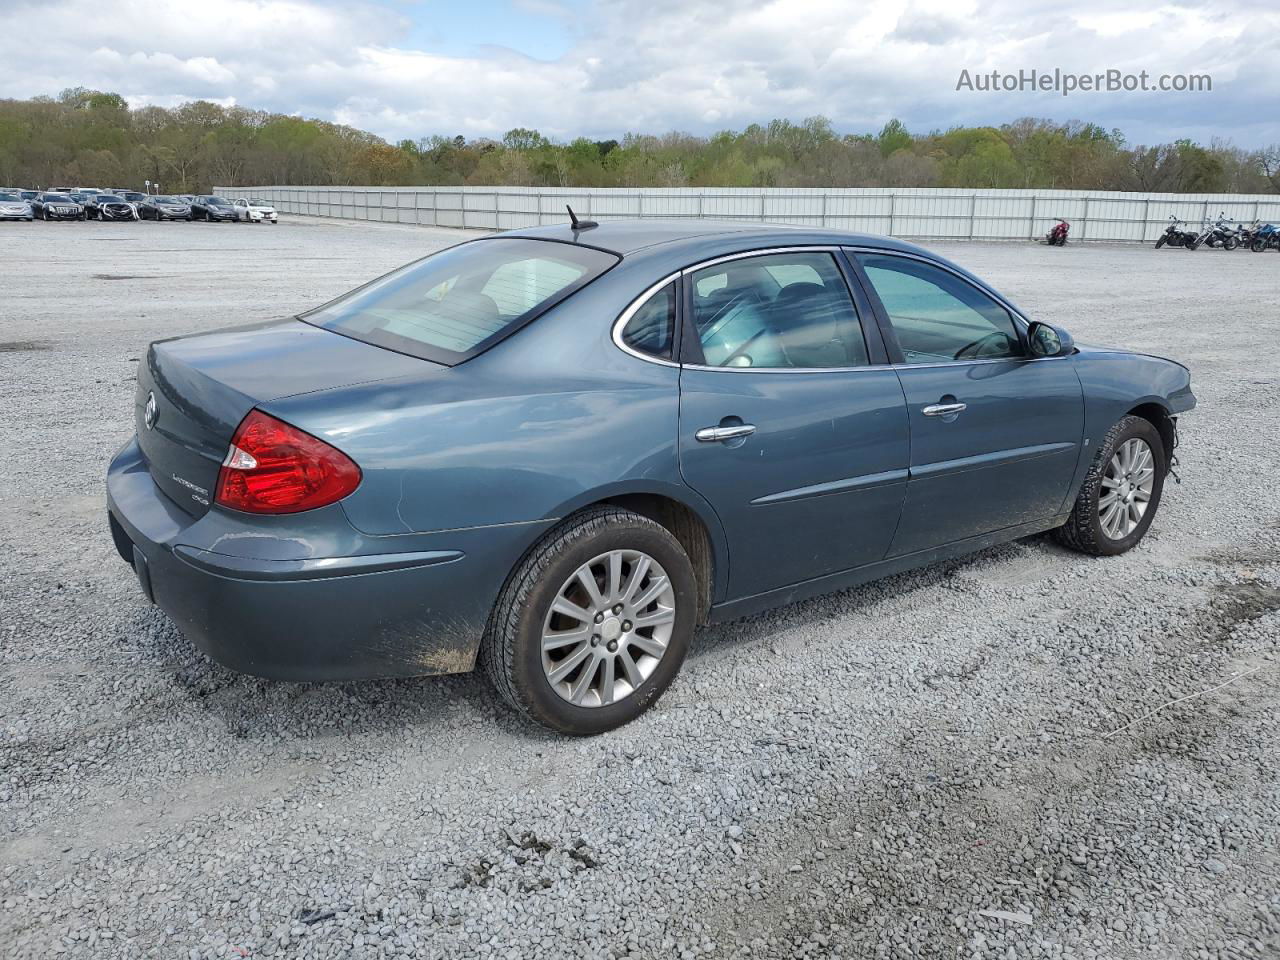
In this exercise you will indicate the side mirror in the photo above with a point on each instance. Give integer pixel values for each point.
(1046, 340)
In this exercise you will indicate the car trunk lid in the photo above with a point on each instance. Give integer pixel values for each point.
(194, 391)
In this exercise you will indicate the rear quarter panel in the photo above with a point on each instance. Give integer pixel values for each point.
(552, 419)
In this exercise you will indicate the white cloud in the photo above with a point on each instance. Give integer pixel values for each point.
(659, 65)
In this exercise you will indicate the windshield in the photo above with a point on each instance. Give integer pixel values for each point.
(217, 201)
(57, 197)
(255, 202)
(165, 200)
(8, 198)
(459, 302)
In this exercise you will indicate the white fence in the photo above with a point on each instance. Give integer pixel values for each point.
(916, 213)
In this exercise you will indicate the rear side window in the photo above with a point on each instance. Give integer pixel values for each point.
(651, 328)
(459, 302)
(785, 310)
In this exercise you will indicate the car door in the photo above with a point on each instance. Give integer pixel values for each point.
(995, 433)
(788, 425)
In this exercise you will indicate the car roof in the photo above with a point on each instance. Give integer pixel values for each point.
(625, 237)
(658, 247)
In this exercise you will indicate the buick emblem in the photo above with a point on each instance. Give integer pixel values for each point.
(149, 411)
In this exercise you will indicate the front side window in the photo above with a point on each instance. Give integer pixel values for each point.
(784, 310)
(938, 317)
(651, 329)
(460, 301)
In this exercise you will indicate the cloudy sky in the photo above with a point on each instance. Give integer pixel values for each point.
(408, 68)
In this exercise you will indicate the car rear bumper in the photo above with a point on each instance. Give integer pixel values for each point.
(387, 614)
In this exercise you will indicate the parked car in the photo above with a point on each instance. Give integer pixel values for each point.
(104, 206)
(164, 208)
(13, 207)
(56, 206)
(213, 208)
(254, 210)
(561, 449)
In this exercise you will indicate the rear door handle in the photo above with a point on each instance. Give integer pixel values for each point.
(944, 409)
(718, 434)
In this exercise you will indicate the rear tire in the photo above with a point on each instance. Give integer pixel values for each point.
(1230, 243)
(1106, 483)
(528, 671)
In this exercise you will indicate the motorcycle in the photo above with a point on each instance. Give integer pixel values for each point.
(1246, 234)
(1216, 234)
(1267, 235)
(1174, 235)
(1057, 237)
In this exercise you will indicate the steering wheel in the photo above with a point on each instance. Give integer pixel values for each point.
(975, 349)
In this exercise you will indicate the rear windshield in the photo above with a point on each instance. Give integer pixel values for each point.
(456, 303)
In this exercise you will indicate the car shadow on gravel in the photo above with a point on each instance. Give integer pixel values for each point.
(723, 638)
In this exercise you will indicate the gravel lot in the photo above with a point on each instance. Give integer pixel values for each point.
(860, 776)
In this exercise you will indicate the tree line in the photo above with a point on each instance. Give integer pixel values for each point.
(91, 138)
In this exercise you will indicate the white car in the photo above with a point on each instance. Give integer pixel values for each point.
(255, 211)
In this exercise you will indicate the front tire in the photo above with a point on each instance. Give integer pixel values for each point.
(594, 623)
(1160, 241)
(1121, 492)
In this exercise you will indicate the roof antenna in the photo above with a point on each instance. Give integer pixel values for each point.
(579, 224)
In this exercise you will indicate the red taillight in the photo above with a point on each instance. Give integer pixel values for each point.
(273, 467)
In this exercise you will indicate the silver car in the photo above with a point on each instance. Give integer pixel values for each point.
(255, 210)
(13, 207)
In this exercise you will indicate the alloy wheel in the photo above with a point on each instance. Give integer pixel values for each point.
(1127, 486)
(608, 628)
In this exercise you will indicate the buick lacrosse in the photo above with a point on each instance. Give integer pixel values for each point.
(557, 451)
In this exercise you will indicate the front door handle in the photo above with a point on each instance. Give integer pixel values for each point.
(944, 409)
(719, 434)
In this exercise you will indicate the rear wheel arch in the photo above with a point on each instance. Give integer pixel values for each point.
(688, 527)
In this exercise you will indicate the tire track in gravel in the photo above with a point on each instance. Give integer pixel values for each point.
(900, 860)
